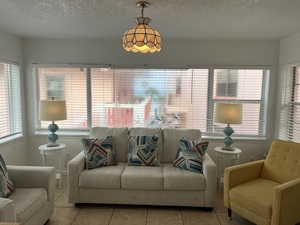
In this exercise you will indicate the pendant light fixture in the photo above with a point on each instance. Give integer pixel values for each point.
(142, 38)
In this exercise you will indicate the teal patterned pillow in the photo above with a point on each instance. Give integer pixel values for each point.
(142, 150)
(6, 185)
(190, 155)
(99, 152)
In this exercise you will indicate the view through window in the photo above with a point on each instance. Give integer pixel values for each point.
(154, 97)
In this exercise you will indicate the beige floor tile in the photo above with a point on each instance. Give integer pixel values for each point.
(195, 216)
(63, 200)
(63, 216)
(236, 219)
(219, 207)
(164, 215)
(129, 215)
(94, 215)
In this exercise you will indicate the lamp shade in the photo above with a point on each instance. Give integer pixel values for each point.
(228, 113)
(53, 110)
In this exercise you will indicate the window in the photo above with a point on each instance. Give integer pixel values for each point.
(290, 105)
(155, 97)
(10, 101)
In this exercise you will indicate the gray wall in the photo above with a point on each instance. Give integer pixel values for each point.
(11, 49)
(196, 53)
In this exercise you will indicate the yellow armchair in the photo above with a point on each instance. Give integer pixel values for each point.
(266, 191)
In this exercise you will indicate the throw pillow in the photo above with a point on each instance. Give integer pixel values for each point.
(99, 152)
(6, 185)
(142, 150)
(190, 155)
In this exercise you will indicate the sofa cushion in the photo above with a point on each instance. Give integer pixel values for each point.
(105, 177)
(255, 195)
(6, 185)
(171, 138)
(135, 131)
(28, 201)
(190, 155)
(99, 152)
(142, 178)
(120, 137)
(178, 179)
(142, 150)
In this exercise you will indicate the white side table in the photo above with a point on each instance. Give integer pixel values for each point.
(58, 150)
(233, 155)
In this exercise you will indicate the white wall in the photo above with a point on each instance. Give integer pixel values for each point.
(11, 49)
(200, 53)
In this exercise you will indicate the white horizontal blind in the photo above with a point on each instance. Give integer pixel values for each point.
(290, 105)
(173, 98)
(10, 100)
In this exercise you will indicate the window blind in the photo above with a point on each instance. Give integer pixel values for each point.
(290, 105)
(10, 100)
(176, 98)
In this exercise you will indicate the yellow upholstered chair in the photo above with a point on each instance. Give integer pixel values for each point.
(266, 191)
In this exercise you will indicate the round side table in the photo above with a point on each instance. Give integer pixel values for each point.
(58, 151)
(233, 155)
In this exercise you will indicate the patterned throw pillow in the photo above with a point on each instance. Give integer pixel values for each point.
(99, 152)
(190, 155)
(142, 151)
(6, 185)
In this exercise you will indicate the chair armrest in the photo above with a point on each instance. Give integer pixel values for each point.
(34, 177)
(7, 210)
(75, 167)
(210, 173)
(286, 203)
(239, 174)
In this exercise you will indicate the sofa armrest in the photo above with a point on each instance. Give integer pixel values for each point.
(7, 210)
(239, 174)
(286, 203)
(34, 177)
(210, 173)
(75, 167)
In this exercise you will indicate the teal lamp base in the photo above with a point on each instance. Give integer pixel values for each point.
(228, 131)
(52, 137)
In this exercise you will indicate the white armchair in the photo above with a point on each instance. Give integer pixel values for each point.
(32, 203)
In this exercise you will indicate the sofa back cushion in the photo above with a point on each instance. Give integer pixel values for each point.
(171, 138)
(283, 162)
(119, 136)
(137, 131)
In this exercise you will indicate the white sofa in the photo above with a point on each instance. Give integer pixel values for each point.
(143, 185)
(32, 203)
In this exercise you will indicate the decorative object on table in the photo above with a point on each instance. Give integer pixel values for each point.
(142, 38)
(52, 111)
(228, 113)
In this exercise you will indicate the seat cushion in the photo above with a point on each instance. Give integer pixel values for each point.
(255, 195)
(179, 179)
(143, 177)
(28, 201)
(102, 177)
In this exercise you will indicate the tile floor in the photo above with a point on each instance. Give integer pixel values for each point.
(67, 214)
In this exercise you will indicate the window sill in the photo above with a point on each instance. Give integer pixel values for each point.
(11, 139)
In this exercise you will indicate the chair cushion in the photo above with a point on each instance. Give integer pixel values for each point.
(104, 177)
(178, 179)
(255, 195)
(99, 152)
(28, 201)
(142, 150)
(190, 155)
(143, 177)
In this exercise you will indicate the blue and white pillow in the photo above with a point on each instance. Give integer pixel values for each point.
(142, 150)
(190, 155)
(99, 152)
(6, 185)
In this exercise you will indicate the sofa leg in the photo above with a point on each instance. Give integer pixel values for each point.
(229, 211)
(46, 222)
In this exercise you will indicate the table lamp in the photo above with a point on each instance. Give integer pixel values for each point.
(52, 111)
(228, 113)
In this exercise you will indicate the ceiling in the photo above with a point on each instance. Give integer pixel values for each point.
(174, 19)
